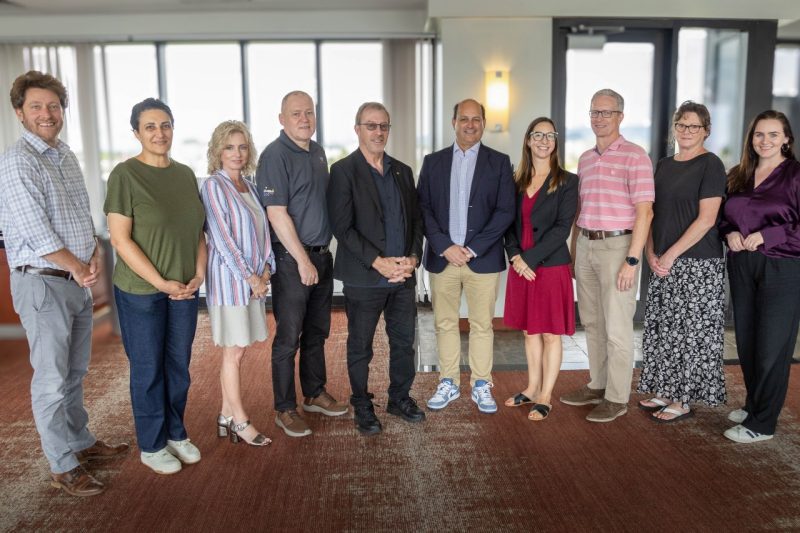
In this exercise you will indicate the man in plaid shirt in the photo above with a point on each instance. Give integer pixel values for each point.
(53, 256)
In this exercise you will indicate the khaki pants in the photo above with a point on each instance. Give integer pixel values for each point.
(606, 314)
(481, 293)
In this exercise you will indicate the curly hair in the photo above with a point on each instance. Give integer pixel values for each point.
(217, 143)
(33, 79)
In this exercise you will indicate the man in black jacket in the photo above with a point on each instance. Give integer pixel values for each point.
(372, 205)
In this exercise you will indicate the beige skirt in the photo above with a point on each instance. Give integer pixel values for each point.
(238, 325)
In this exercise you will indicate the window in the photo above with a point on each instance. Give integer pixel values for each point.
(712, 65)
(275, 69)
(352, 74)
(203, 88)
(592, 69)
(127, 74)
(786, 82)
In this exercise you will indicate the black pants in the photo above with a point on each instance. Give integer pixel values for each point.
(766, 309)
(364, 307)
(303, 320)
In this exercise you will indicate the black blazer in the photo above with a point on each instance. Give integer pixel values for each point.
(356, 217)
(491, 208)
(552, 217)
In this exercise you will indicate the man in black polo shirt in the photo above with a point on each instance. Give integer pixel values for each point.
(292, 179)
(374, 214)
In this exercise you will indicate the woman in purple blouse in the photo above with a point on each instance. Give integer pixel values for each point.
(761, 224)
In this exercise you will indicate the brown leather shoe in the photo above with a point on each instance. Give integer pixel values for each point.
(100, 450)
(325, 404)
(292, 423)
(77, 482)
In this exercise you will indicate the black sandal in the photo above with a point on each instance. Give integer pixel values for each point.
(519, 399)
(542, 408)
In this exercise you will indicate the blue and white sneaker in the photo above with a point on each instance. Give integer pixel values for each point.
(446, 392)
(482, 395)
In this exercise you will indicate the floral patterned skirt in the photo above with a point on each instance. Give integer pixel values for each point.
(683, 342)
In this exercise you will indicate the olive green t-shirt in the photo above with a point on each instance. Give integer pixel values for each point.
(168, 217)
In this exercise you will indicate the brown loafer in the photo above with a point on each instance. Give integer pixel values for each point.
(77, 482)
(100, 450)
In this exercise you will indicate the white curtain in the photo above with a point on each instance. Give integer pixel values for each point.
(12, 64)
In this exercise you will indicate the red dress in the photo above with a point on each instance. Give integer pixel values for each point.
(546, 304)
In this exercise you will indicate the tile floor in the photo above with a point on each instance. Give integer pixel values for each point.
(509, 351)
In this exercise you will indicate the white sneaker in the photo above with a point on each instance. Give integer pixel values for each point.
(742, 434)
(737, 415)
(162, 462)
(184, 450)
(445, 393)
(482, 395)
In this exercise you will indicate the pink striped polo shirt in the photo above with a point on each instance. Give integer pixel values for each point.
(612, 183)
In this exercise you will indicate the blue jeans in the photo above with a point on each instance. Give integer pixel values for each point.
(157, 334)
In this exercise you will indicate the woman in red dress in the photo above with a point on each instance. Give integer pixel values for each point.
(539, 297)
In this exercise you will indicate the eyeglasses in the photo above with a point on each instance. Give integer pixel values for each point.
(693, 128)
(605, 113)
(539, 135)
(371, 126)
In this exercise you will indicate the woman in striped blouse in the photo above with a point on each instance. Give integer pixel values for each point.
(240, 262)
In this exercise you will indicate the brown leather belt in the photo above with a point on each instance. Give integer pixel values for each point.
(594, 235)
(44, 271)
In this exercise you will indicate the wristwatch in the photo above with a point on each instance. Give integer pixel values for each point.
(632, 261)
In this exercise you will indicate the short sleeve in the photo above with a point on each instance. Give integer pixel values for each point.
(118, 193)
(272, 178)
(714, 180)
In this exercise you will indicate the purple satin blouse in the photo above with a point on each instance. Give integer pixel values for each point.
(773, 209)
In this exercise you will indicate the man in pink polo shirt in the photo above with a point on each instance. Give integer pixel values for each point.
(614, 214)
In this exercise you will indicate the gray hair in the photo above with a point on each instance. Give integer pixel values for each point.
(613, 94)
(371, 105)
(294, 93)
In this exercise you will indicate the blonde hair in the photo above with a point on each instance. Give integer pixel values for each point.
(217, 143)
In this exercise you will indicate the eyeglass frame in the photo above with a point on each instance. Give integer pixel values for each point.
(680, 127)
(372, 126)
(549, 135)
(605, 113)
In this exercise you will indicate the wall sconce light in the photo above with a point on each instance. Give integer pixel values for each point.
(497, 100)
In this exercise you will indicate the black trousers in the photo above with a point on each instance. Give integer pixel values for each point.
(364, 307)
(303, 321)
(766, 309)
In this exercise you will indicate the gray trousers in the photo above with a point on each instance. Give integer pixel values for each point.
(57, 316)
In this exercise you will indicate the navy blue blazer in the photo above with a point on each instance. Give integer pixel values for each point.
(490, 213)
(551, 221)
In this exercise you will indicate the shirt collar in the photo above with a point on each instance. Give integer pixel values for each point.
(613, 146)
(41, 147)
(293, 146)
(471, 150)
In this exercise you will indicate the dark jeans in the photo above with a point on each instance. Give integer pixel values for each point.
(303, 320)
(157, 334)
(766, 309)
(364, 307)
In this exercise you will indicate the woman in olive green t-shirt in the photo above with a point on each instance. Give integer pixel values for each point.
(155, 218)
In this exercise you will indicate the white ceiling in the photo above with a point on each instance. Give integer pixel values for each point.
(56, 7)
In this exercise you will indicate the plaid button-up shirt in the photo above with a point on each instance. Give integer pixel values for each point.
(44, 205)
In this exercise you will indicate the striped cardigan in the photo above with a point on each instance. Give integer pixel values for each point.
(234, 253)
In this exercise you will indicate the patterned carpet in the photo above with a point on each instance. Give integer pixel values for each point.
(459, 470)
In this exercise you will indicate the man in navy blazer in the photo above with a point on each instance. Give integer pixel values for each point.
(466, 194)
(375, 217)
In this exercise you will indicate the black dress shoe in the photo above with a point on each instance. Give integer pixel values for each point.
(406, 408)
(366, 421)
